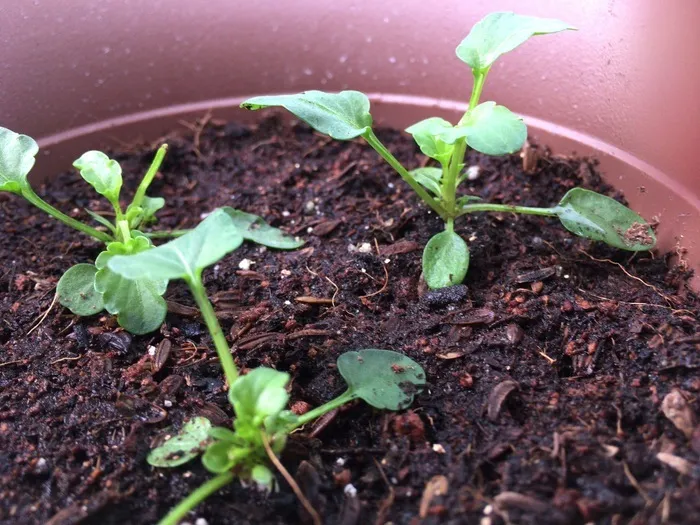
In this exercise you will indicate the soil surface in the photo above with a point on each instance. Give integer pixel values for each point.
(563, 378)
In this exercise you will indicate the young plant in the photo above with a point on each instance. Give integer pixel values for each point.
(384, 379)
(486, 127)
(86, 289)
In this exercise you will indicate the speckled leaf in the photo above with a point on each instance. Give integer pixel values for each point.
(76, 290)
(382, 378)
(189, 443)
(445, 260)
(17, 156)
(342, 116)
(501, 32)
(595, 216)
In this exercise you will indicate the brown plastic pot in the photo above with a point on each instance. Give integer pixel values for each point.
(80, 75)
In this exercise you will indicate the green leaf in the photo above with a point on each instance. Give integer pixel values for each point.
(187, 444)
(138, 303)
(429, 178)
(382, 378)
(445, 260)
(104, 222)
(17, 156)
(76, 290)
(342, 116)
(259, 394)
(254, 228)
(223, 434)
(184, 257)
(490, 129)
(499, 33)
(467, 199)
(595, 216)
(426, 133)
(102, 173)
(216, 458)
(150, 206)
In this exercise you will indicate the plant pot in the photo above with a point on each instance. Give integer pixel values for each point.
(80, 75)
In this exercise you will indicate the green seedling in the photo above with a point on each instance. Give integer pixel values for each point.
(382, 378)
(486, 127)
(87, 289)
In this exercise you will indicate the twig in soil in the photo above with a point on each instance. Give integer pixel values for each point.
(673, 310)
(8, 363)
(386, 274)
(66, 359)
(287, 476)
(337, 290)
(389, 500)
(197, 130)
(633, 481)
(543, 354)
(43, 317)
(666, 298)
(305, 299)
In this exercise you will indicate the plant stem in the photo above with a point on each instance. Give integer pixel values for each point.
(472, 208)
(317, 412)
(150, 174)
(195, 498)
(44, 206)
(373, 141)
(457, 158)
(217, 334)
(123, 228)
(166, 234)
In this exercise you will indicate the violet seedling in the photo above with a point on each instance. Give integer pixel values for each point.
(486, 127)
(87, 289)
(384, 379)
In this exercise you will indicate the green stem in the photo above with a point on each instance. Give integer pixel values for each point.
(44, 206)
(317, 412)
(460, 149)
(166, 234)
(373, 141)
(472, 208)
(148, 177)
(195, 498)
(217, 334)
(123, 228)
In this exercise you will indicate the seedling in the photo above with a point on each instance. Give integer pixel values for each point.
(486, 127)
(384, 379)
(86, 289)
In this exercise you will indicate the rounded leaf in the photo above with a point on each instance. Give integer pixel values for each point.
(217, 459)
(259, 394)
(430, 178)
(342, 116)
(76, 290)
(181, 448)
(382, 378)
(499, 33)
(427, 132)
(594, 216)
(445, 260)
(17, 156)
(102, 173)
(263, 477)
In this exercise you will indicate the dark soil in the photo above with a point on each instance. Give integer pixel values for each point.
(546, 373)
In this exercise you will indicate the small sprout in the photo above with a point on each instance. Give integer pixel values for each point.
(486, 127)
(181, 448)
